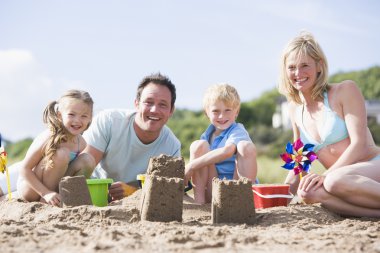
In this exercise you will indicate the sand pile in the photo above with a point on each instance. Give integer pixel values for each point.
(36, 227)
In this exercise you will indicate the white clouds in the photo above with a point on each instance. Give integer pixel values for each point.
(25, 90)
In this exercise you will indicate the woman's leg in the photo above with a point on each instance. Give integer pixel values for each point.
(336, 204)
(358, 184)
(246, 164)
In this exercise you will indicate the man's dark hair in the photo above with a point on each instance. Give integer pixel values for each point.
(157, 78)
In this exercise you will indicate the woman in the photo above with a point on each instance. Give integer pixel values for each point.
(333, 118)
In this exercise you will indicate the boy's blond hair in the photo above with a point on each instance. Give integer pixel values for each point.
(221, 92)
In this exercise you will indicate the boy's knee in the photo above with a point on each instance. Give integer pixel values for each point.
(246, 148)
(199, 146)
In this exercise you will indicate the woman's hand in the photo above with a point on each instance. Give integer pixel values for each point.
(52, 198)
(311, 182)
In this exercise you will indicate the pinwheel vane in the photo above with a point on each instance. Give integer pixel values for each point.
(3, 168)
(298, 157)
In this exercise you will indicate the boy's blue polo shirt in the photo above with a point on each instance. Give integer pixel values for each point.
(234, 134)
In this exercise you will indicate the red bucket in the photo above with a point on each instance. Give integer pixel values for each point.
(270, 195)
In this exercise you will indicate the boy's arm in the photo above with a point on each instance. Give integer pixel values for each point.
(212, 157)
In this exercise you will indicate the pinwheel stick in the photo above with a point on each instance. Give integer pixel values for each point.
(8, 184)
(3, 167)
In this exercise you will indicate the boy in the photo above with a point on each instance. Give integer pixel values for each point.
(225, 149)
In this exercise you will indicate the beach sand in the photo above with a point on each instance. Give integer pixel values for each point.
(36, 227)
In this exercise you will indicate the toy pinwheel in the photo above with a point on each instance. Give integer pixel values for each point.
(298, 157)
(3, 168)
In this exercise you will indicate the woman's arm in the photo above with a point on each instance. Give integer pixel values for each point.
(352, 103)
(291, 179)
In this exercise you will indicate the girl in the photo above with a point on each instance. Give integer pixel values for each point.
(48, 157)
(333, 118)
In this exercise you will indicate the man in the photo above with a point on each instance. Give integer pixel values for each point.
(122, 141)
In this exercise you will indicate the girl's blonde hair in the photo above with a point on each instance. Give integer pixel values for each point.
(58, 132)
(221, 92)
(303, 45)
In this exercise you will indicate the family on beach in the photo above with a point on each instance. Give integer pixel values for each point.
(117, 144)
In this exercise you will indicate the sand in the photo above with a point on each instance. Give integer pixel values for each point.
(37, 227)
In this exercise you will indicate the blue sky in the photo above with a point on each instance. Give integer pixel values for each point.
(107, 47)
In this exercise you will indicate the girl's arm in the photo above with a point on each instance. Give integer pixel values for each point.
(352, 103)
(32, 159)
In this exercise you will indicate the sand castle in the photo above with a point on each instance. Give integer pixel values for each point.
(232, 201)
(162, 194)
(74, 191)
(166, 166)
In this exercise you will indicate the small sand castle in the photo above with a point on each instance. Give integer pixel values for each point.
(162, 194)
(166, 166)
(74, 191)
(232, 201)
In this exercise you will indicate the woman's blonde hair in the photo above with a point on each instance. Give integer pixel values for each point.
(58, 133)
(221, 92)
(302, 45)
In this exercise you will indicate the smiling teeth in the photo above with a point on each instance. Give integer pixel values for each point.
(301, 80)
(153, 118)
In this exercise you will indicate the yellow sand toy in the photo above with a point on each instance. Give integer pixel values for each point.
(3, 168)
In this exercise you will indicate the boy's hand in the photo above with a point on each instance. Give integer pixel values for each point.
(188, 173)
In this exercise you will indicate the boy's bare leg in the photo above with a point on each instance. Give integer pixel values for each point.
(246, 162)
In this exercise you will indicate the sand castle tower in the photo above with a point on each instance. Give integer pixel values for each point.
(74, 191)
(232, 201)
(162, 194)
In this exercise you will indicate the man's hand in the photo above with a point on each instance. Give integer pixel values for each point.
(119, 190)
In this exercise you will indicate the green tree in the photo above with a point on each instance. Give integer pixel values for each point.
(368, 81)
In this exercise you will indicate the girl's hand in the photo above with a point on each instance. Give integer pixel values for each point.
(52, 198)
(311, 182)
